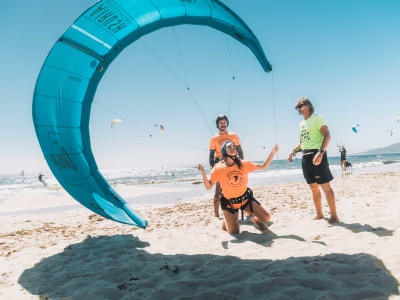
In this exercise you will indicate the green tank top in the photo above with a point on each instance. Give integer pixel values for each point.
(310, 136)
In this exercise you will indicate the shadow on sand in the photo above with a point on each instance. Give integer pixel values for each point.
(117, 267)
(357, 228)
(266, 239)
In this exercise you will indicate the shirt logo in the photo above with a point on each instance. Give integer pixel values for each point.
(304, 134)
(234, 178)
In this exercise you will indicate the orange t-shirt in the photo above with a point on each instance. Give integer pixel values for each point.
(218, 141)
(233, 180)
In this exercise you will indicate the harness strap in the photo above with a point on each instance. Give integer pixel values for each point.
(247, 195)
(309, 151)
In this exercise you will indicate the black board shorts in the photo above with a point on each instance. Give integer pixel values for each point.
(315, 174)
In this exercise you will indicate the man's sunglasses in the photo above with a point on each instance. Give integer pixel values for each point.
(299, 106)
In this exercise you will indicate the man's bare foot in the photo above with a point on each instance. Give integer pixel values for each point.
(333, 219)
(319, 217)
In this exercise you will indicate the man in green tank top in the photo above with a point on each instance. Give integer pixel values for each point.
(314, 139)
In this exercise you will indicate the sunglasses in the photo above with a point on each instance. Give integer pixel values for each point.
(230, 146)
(299, 106)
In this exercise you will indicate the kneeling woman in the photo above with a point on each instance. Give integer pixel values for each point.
(232, 174)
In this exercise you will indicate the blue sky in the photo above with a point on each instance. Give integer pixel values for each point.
(343, 55)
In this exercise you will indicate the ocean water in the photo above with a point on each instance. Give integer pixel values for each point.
(187, 178)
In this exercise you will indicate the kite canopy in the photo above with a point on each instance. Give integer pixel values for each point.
(69, 77)
(161, 127)
(115, 121)
(355, 128)
(390, 132)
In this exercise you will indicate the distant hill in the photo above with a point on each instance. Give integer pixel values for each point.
(394, 148)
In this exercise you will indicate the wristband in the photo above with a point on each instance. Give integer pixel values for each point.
(321, 151)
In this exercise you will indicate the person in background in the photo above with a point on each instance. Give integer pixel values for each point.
(41, 178)
(216, 142)
(342, 151)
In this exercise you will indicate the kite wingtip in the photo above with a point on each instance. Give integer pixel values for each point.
(267, 68)
(145, 223)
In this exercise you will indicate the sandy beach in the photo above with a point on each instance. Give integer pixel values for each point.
(183, 254)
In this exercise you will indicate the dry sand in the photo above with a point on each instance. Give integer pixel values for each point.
(184, 254)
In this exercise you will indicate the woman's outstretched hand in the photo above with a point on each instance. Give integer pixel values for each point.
(200, 167)
(207, 183)
(275, 148)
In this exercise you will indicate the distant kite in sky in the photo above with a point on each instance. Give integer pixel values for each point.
(161, 127)
(355, 128)
(390, 132)
(398, 119)
(115, 121)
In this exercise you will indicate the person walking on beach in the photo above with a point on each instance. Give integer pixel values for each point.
(314, 139)
(232, 175)
(41, 179)
(216, 143)
(342, 151)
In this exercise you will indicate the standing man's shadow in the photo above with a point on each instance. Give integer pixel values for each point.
(264, 239)
(357, 228)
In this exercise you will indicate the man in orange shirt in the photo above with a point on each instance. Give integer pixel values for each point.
(232, 174)
(216, 143)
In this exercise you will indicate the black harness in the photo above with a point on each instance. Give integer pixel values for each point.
(238, 200)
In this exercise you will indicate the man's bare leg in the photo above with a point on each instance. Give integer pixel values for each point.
(330, 198)
(316, 193)
(217, 199)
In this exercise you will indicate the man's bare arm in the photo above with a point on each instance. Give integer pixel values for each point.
(293, 153)
(327, 137)
(240, 151)
(211, 158)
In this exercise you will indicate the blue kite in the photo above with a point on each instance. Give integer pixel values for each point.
(69, 77)
(355, 128)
